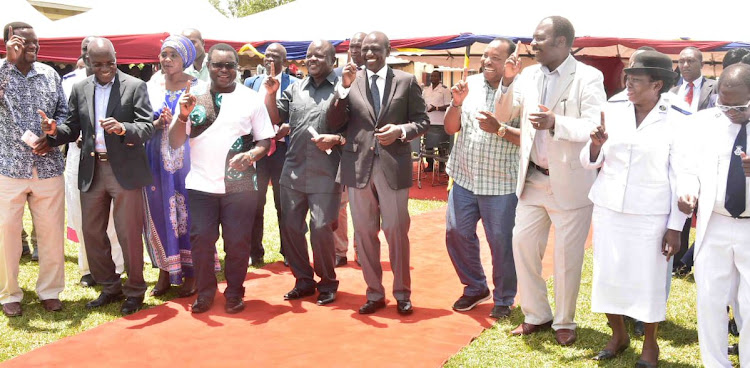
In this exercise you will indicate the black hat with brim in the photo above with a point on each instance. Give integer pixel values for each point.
(652, 63)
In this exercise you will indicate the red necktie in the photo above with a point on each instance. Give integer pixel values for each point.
(689, 94)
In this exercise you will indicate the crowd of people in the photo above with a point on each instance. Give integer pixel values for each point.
(171, 161)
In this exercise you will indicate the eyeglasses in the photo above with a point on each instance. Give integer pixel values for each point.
(227, 66)
(738, 108)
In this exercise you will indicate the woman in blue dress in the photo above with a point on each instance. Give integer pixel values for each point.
(167, 221)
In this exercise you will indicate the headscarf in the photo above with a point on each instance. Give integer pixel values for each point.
(183, 46)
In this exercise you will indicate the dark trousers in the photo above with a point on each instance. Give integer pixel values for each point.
(127, 212)
(324, 212)
(268, 168)
(235, 213)
(679, 260)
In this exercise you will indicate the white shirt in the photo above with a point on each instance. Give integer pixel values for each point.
(438, 96)
(542, 137)
(101, 99)
(72, 78)
(682, 92)
(242, 112)
(726, 139)
(640, 166)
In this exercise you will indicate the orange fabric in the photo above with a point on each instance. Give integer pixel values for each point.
(272, 332)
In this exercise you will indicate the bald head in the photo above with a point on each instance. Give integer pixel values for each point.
(101, 58)
(275, 55)
(85, 44)
(355, 48)
(736, 75)
(100, 46)
(196, 38)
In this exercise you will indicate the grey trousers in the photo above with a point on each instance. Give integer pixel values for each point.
(324, 211)
(374, 206)
(127, 210)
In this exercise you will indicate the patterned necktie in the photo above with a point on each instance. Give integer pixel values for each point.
(689, 94)
(375, 95)
(734, 201)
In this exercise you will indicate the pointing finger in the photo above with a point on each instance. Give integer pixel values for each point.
(518, 48)
(543, 108)
(42, 114)
(187, 87)
(273, 69)
(464, 74)
(602, 124)
(348, 58)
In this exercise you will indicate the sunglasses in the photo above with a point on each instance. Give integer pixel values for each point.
(227, 66)
(738, 108)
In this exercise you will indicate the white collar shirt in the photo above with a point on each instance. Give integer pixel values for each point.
(542, 137)
(725, 140)
(436, 96)
(101, 99)
(380, 82)
(682, 93)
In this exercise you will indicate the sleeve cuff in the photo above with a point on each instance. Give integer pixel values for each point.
(341, 92)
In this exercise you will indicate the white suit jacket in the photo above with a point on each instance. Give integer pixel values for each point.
(577, 102)
(707, 135)
(640, 167)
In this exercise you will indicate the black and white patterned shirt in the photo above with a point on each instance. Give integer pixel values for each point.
(20, 98)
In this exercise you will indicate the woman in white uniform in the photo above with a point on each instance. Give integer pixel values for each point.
(636, 220)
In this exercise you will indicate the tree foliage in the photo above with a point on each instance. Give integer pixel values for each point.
(241, 8)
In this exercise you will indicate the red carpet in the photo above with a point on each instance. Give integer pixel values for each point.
(274, 332)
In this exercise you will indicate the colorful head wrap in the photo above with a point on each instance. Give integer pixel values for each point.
(183, 46)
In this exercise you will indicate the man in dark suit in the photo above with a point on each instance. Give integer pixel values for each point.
(269, 168)
(697, 91)
(111, 112)
(382, 110)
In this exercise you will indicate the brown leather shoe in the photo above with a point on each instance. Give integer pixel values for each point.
(52, 305)
(565, 336)
(12, 309)
(528, 328)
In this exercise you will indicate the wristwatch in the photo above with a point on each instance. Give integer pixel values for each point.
(454, 105)
(503, 129)
(342, 139)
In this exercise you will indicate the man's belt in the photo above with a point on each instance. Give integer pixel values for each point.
(101, 156)
(539, 168)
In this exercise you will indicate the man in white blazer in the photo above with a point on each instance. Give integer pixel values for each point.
(559, 102)
(721, 189)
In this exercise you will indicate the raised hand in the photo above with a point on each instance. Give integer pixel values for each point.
(670, 244)
(164, 119)
(272, 84)
(14, 46)
(745, 163)
(687, 203)
(349, 72)
(542, 120)
(111, 125)
(599, 135)
(512, 66)
(388, 134)
(488, 122)
(187, 103)
(49, 126)
(460, 90)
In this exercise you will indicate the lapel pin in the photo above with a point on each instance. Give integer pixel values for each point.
(738, 151)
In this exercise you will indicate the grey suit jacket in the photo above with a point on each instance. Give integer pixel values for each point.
(129, 104)
(402, 105)
(708, 89)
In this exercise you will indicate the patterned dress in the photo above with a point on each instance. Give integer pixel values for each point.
(167, 221)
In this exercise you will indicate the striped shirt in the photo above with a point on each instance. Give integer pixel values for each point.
(480, 161)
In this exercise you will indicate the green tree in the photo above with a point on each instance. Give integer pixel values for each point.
(241, 8)
(215, 3)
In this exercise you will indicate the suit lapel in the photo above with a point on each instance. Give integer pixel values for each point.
(88, 93)
(566, 78)
(366, 95)
(118, 89)
(705, 93)
(388, 93)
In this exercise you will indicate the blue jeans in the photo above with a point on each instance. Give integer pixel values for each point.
(498, 214)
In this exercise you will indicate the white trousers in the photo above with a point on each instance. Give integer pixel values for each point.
(723, 260)
(47, 205)
(537, 210)
(75, 218)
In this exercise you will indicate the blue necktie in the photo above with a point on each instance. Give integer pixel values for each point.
(734, 201)
(375, 95)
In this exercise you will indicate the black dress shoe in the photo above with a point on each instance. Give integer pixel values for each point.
(298, 294)
(88, 281)
(639, 329)
(234, 305)
(201, 305)
(500, 311)
(340, 261)
(131, 305)
(608, 354)
(371, 306)
(326, 297)
(404, 307)
(104, 299)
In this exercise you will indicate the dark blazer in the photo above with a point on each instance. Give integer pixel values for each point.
(708, 89)
(129, 104)
(402, 105)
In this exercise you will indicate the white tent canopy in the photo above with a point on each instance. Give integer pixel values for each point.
(22, 11)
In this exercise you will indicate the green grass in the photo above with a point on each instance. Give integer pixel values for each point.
(677, 336)
(37, 327)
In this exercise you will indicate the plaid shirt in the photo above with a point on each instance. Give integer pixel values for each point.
(482, 162)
